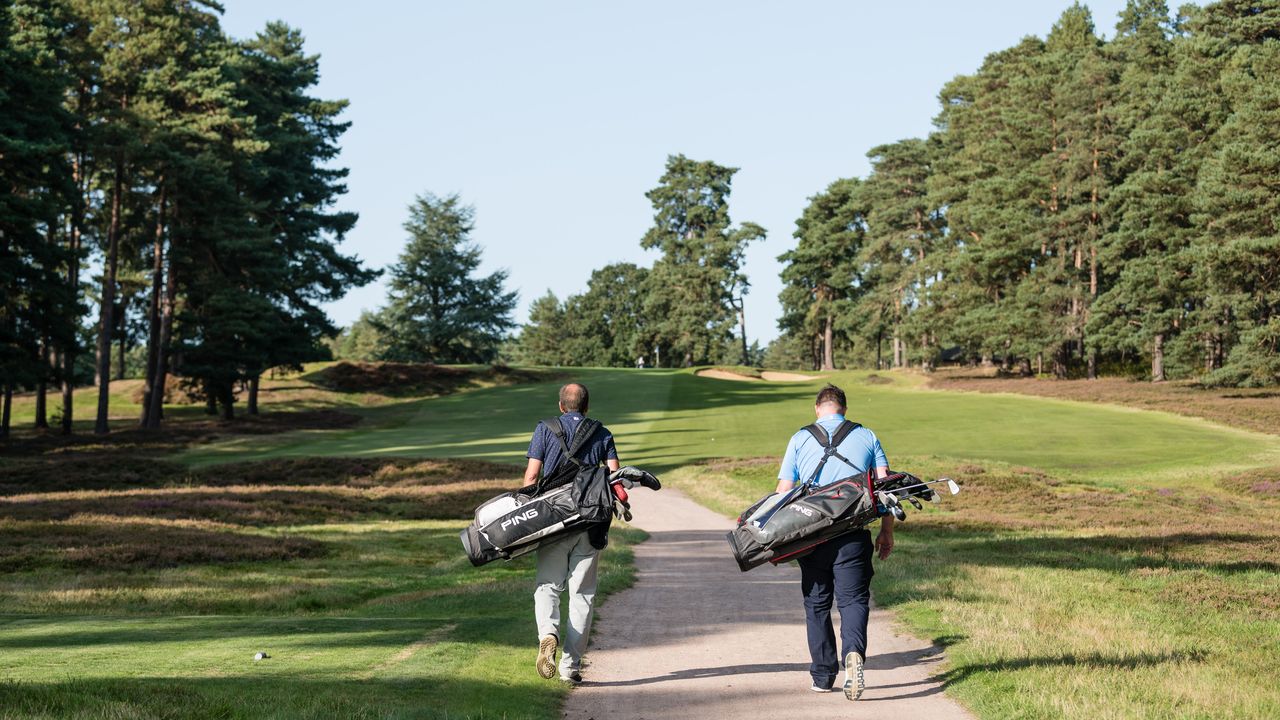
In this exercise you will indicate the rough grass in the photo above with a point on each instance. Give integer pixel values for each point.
(1250, 409)
(1061, 599)
(147, 598)
(418, 379)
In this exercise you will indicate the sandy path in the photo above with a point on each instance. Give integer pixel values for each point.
(696, 638)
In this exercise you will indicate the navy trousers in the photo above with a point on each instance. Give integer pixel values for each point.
(841, 570)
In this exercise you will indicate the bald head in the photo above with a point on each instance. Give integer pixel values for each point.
(573, 398)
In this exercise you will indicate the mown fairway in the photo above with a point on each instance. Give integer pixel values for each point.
(665, 419)
(1095, 564)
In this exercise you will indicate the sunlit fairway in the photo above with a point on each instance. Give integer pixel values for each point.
(1101, 561)
(668, 418)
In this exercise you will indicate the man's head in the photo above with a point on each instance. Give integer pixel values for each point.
(573, 398)
(830, 401)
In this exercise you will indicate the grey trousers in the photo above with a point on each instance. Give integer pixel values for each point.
(567, 563)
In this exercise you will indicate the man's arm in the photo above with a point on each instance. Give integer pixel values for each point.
(884, 539)
(611, 454)
(788, 473)
(531, 472)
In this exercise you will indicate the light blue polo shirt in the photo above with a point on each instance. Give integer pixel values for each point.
(804, 453)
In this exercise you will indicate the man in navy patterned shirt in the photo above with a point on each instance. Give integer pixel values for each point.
(570, 561)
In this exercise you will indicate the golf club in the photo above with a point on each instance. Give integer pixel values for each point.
(952, 485)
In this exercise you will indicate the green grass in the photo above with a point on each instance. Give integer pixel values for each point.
(1061, 599)
(1092, 567)
(665, 419)
(150, 602)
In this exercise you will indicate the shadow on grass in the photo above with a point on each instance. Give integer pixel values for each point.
(288, 698)
(302, 632)
(1215, 552)
(1093, 661)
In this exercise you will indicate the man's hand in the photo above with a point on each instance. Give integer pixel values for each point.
(884, 541)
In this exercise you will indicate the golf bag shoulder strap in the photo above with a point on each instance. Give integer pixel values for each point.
(837, 437)
(830, 446)
(582, 435)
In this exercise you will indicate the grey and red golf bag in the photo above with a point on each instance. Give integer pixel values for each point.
(786, 526)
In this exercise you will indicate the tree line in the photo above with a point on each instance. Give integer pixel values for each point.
(686, 309)
(1082, 206)
(193, 172)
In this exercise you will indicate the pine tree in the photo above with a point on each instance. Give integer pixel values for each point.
(697, 283)
(1238, 205)
(36, 311)
(437, 311)
(1156, 162)
(991, 139)
(903, 230)
(820, 275)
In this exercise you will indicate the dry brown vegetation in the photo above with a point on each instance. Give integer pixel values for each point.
(115, 543)
(400, 379)
(179, 432)
(63, 510)
(1250, 409)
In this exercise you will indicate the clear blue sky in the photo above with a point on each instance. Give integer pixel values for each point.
(554, 118)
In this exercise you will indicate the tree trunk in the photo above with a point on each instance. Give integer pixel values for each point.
(228, 400)
(828, 344)
(42, 388)
(1157, 358)
(105, 321)
(161, 373)
(124, 338)
(153, 313)
(899, 351)
(252, 406)
(73, 280)
(742, 324)
(879, 349)
(210, 403)
(5, 412)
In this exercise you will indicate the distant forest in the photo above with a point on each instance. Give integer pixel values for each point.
(1083, 207)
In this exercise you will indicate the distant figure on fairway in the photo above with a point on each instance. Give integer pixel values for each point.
(570, 561)
(841, 567)
(640, 363)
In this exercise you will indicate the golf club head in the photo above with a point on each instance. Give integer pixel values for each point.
(916, 503)
(898, 512)
(953, 486)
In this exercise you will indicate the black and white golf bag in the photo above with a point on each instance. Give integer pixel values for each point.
(569, 499)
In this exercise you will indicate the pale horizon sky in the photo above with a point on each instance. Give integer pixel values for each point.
(554, 118)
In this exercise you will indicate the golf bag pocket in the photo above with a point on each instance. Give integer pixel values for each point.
(514, 519)
(794, 529)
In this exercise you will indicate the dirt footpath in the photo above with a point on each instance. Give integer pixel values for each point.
(697, 638)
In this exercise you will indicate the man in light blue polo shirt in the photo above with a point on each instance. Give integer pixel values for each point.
(841, 567)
